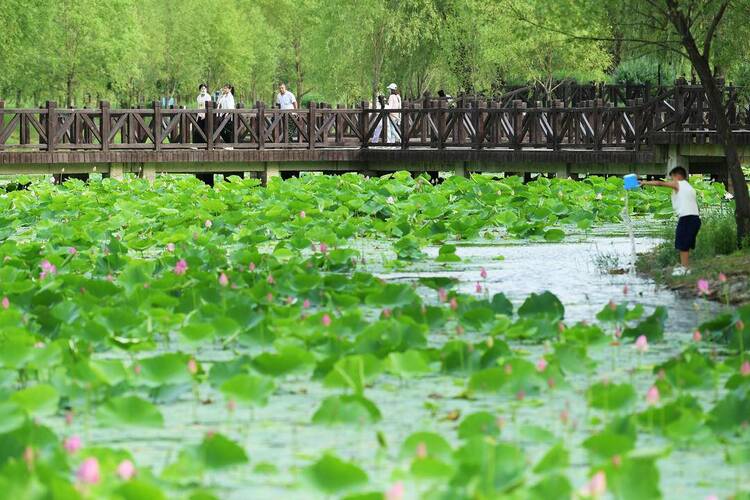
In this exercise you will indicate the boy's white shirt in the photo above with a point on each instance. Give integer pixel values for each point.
(684, 199)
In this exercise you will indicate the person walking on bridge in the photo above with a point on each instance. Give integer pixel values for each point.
(285, 99)
(203, 98)
(226, 101)
(394, 119)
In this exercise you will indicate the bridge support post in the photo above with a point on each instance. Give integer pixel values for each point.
(676, 159)
(461, 170)
(272, 170)
(562, 171)
(148, 172)
(116, 171)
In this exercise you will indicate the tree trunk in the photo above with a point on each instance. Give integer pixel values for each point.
(298, 69)
(69, 92)
(701, 66)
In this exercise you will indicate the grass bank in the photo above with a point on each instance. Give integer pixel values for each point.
(715, 259)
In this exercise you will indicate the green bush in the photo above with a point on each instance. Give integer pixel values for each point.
(718, 236)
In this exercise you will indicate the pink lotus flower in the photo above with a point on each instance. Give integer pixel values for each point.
(478, 287)
(110, 278)
(28, 457)
(421, 450)
(454, 303)
(137, 369)
(745, 369)
(641, 344)
(6, 303)
(251, 267)
(223, 279)
(88, 472)
(652, 396)
(270, 280)
(72, 444)
(302, 214)
(597, 486)
(712, 497)
(722, 277)
(387, 312)
(703, 287)
(395, 492)
(323, 248)
(541, 365)
(208, 224)
(180, 267)
(192, 366)
(625, 290)
(564, 417)
(697, 337)
(306, 304)
(326, 320)
(126, 470)
(483, 273)
(69, 418)
(269, 297)
(617, 461)
(442, 295)
(72, 250)
(47, 269)
(170, 247)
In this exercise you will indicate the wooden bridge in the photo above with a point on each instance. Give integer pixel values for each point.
(601, 136)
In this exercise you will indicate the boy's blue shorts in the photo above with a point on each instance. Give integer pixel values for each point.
(686, 233)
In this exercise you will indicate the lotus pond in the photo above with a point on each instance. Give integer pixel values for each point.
(344, 337)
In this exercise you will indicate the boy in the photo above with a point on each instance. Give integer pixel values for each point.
(685, 203)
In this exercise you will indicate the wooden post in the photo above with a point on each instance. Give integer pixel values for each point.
(210, 107)
(51, 125)
(679, 107)
(441, 123)
(596, 124)
(2, 120)
(365, 124)
(405, 125)
(261, 124)
(340, 124)
(517, 123)
(235, 122)
(557, 106)
(105, 124)
(184, 137)
(478, 120)
(156, 124)
(311, 118)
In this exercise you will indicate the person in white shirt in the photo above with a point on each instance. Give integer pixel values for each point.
(394, 120)
(685, 204)
(203, 98)
(226, 101)
(285, 99)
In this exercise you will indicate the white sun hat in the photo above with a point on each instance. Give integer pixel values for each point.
(392, 86)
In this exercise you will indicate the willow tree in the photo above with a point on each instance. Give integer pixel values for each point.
(692, 29)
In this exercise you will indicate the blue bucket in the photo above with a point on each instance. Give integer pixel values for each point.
(631, 181)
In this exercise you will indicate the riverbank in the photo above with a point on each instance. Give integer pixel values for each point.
(728, 276)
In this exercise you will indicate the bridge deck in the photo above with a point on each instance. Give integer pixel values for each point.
(426, 135)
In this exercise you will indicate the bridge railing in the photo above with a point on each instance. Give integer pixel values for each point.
(593, 124)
